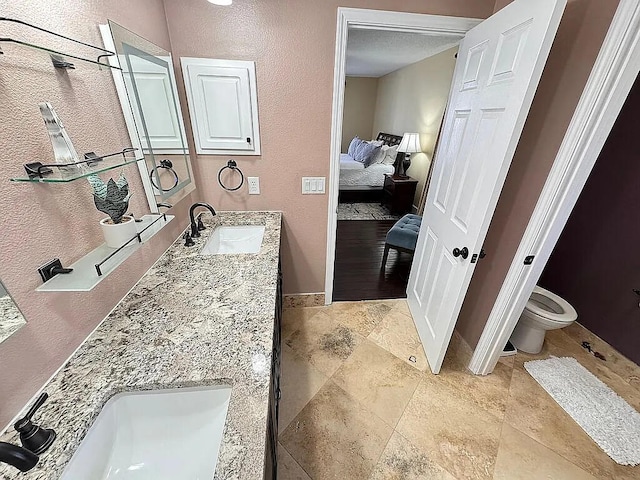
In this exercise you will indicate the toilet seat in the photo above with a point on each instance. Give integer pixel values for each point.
(550, 306)
(544, 311)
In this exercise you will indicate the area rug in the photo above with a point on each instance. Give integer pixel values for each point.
(607, 418)
(365, 211)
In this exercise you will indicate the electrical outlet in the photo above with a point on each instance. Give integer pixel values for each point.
(254, 185)
(313, 185)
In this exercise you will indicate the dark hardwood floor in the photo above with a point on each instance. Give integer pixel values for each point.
(354, 196)
(359, 248)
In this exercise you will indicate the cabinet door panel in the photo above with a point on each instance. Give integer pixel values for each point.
(222, 105)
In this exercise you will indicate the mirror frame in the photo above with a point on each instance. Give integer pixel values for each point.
(127, 111)
(131, 50)
(24, 319)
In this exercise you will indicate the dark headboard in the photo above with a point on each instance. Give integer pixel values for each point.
(389, 139)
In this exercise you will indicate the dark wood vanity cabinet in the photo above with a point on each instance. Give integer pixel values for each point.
(271, 457)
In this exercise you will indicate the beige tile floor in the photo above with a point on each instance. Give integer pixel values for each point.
(359, 402)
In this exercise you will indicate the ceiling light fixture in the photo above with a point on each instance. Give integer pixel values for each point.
(221, 2)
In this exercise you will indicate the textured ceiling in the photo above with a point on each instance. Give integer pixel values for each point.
(374, 53)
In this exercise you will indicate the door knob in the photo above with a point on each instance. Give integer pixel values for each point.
(464, 253)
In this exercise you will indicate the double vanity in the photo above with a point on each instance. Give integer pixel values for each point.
(181, 380)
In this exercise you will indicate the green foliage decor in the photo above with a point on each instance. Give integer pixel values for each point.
(112, 197)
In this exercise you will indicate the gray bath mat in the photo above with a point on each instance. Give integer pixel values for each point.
(609, 420)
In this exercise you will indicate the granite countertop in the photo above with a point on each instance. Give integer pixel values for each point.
(11, 318)
(191, 320)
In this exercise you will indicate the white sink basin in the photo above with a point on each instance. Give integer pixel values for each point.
(234, 239)
(158, 434)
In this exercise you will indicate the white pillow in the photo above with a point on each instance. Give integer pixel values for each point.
(390, 154)
(380, 155)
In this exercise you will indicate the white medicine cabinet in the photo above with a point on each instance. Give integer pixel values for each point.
(222, 98)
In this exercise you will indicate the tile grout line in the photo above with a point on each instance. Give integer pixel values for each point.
(364, 407)
(354, 399)
(424, 453)
(495, 463)
(295, 459)
(600, 362)
(405, 407)
(510, 391)
(309, 364)
(358, 402)
(547, 447)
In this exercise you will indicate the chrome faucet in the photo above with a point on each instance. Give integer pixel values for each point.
(19, 457)
(198, 226)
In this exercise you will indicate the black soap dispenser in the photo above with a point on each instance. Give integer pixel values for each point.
(33, 437)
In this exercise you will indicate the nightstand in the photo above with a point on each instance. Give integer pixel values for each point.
(398, 192)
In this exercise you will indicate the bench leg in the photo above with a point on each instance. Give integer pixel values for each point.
(384, 256)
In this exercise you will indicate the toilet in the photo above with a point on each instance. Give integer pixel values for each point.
(544, 311)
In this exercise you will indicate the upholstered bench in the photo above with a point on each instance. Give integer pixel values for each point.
(403, 236)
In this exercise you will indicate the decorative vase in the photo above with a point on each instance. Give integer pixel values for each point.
(117, 234)
(406, 163)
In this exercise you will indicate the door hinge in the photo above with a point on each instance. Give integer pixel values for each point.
(528, 260)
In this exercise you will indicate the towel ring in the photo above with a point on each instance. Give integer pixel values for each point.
(232, 165)
(167, 165)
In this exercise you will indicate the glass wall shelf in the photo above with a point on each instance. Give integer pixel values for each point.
(59, 59)
(84, 276)
(54, 174)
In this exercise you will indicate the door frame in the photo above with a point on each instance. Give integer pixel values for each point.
(374, 20)
(607, 88)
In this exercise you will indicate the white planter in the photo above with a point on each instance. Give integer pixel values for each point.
(117, 234)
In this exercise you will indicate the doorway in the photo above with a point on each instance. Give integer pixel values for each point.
(494, 83)
(396, 82)
(593, 265)
(609, 84)
(367, 20)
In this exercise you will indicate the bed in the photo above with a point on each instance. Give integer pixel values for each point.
(355, 177)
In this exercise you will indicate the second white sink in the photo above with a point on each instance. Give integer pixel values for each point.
(234, 239)
(154, 435)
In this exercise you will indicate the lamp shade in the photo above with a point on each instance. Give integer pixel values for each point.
(410, 143)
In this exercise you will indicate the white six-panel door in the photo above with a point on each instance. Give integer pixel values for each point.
(499, 64)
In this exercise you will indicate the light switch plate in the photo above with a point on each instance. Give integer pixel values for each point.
(313, 185)
(254, 185)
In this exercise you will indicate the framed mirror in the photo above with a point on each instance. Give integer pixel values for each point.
(11, 318)
(147, 89)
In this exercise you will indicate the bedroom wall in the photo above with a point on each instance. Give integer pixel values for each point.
(293, 45)
(44, 221)
(359, 108)
(582, 30)
(413, 99)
